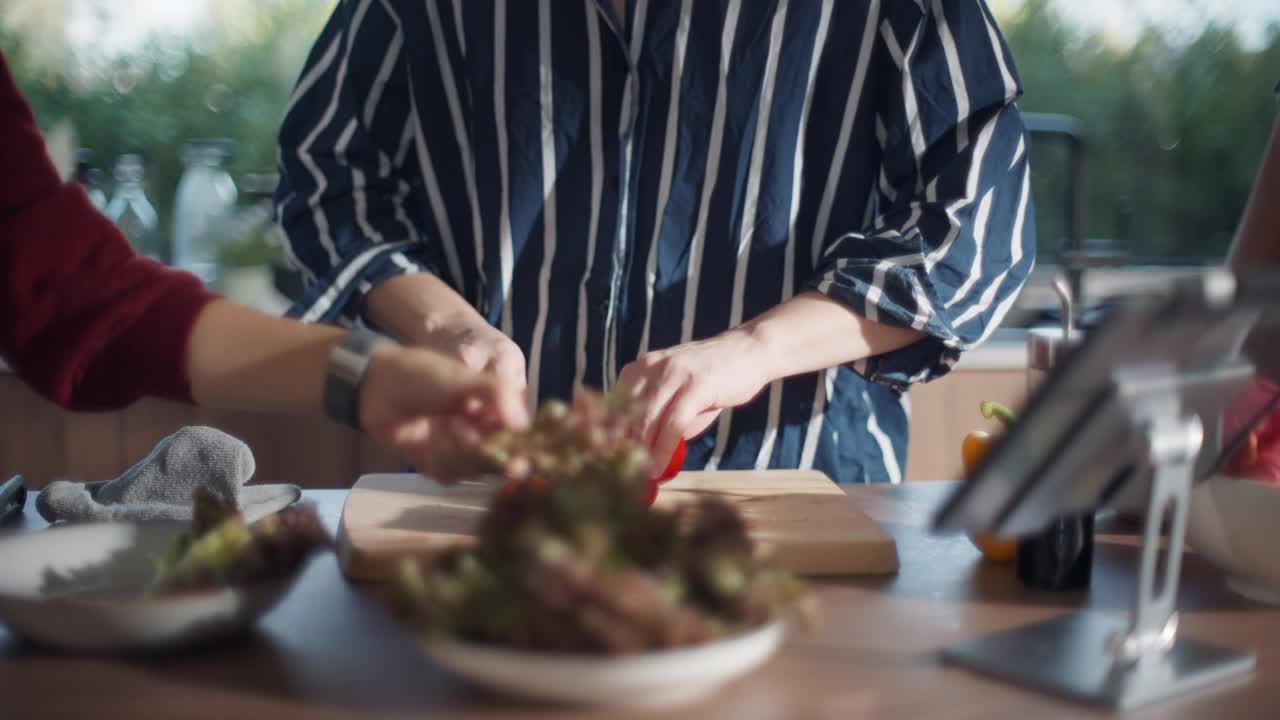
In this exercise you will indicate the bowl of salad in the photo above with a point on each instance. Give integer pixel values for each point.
(145, 587)
(1233, 515)
(579, 591)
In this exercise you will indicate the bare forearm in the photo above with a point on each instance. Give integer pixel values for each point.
(683, 389)
(421, 310)
(812, 332)
(241, 359)
(411, 400)
(411, 307)
(1258, 240)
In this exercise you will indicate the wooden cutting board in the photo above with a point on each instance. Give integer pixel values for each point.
(806, 523)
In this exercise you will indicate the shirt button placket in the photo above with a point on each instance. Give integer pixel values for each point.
(626, 132)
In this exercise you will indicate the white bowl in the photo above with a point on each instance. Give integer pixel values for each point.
(654, 680)
(1232, 522)
(81, 587)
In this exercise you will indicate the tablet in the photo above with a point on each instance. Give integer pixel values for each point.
(1078, 441)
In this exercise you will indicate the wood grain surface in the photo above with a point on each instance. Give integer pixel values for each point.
(799, 518)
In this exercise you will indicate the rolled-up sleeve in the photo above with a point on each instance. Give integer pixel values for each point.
(952, 240)
(350, 194)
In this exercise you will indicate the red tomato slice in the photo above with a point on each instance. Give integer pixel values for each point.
(535, 483)
(651, 493)
(676, 464)
(509, 488)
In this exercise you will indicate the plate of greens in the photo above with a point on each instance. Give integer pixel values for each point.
(133, 587)
(579, 591)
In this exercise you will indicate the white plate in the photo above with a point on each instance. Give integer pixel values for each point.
(80, 587)
(653, 680)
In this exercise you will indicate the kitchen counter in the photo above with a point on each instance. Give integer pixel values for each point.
(331, 651)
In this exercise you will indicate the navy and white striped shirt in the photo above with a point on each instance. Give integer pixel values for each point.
(601, 186)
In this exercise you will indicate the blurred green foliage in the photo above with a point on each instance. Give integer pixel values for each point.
(232, 81)
(1175, 128)
(1175, 131)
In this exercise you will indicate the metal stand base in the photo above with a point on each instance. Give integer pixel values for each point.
(1070, 656)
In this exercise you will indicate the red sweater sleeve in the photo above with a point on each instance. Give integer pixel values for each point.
(83, 319)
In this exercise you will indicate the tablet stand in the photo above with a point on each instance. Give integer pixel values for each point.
(1099, 658)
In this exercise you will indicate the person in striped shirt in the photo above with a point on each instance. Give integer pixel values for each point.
(769, 218)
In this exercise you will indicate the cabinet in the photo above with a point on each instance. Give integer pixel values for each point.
(44, 443)
(944, 411)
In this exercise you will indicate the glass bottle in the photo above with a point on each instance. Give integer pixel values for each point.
(202, 208)
(130, 209)
(90, 178)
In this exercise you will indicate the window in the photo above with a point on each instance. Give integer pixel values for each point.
(120, 77)
(1172, 99)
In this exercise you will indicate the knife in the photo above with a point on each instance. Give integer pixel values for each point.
(13, 497)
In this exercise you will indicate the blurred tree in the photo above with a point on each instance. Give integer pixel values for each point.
(1175, 130)
(231, 80)
(47, 19)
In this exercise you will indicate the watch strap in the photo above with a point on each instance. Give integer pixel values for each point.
(348, 363)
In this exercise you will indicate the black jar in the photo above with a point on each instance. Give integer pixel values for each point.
(1060, 557)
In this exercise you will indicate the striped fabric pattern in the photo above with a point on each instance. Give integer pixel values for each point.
(599, 186)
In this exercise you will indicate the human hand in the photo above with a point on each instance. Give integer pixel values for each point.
(478, 345)
(432, 408)
(682, 390)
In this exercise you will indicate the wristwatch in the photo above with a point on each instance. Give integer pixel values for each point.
(348, 363)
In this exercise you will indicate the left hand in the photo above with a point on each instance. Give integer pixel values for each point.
(683, 389)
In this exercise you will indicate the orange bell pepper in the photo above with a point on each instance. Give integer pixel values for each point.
(975, 446)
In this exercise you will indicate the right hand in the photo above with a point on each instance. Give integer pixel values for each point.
(479, 346)
(432, 409)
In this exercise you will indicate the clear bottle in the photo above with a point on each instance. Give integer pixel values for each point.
(203, 207)
(90, 178)
(130, 209)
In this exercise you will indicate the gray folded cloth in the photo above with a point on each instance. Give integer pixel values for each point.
(160, 487)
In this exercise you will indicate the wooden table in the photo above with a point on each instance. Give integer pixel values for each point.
(331, 651)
